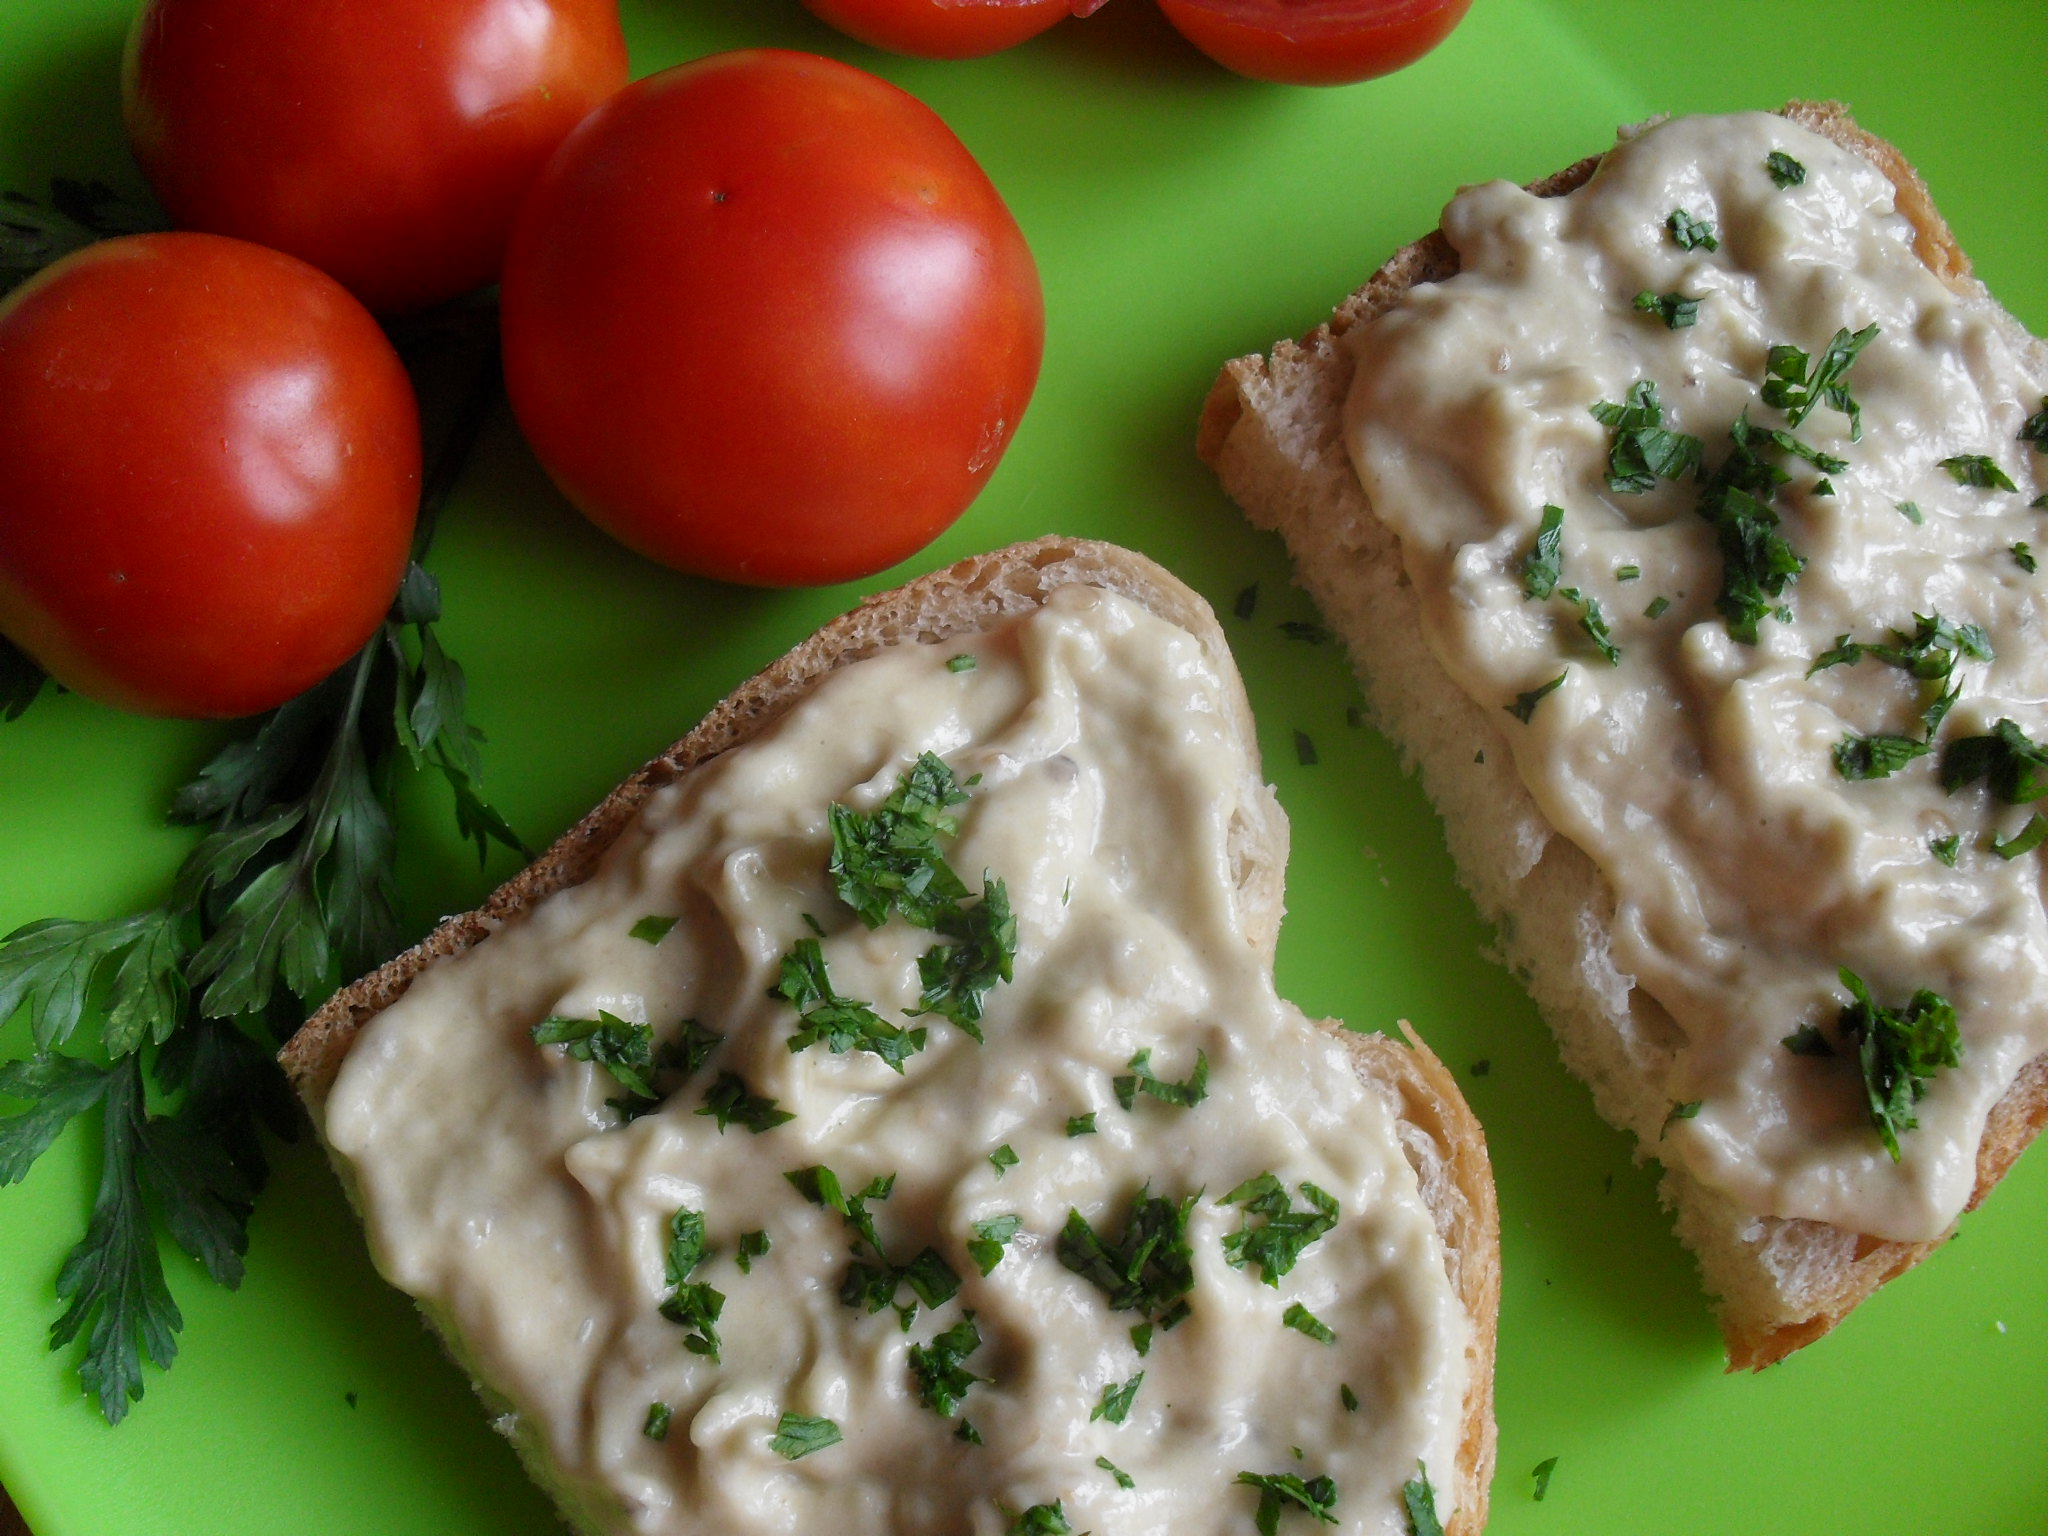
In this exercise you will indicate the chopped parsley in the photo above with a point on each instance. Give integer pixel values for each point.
(1823, 487)
(872, 1282)
(1347, 1397)
(990, 1238)
(624, 1050)
(1930, 654)
(1785, 171)
(1627, 572)
(2015, 766)
(1687, 1111)
(1946, 848)
(753, 1245)
(688, 1051)
(1799, 385)
(1807, 1040)
(840, 1022)
(940, 1371)
(659, 1416)
(1180, 1095)
(1594, 622)
(1303, 1321)
(958, 977)
(1676, 310)
(1978, 470)
(1910, 511)
(1642, 450)
(652, 930)
(1858, 758)
(961, 663)
(1081, 1125)
(1542, 1475)
(1420, 1500)
(2026, 840)
(692, 1305)
(1041, 1520)
(1659, 606)
(889, 858)
(1003, 1159)
(728, 1101)
(1544, 564)
(1123, 1478)
(1756, 561)
(1287, 1490)
(965, 1431)
(1525, 703)
(2035, 429)
(1116, 1400)
(2023, 557)
(1273, 1235)
(1149, 1268)
(1899, 1051)
(798, 1435)
(1689, 233)
(1141, 1339)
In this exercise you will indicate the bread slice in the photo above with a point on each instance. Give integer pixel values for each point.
(1271, 428)
(1439, 1135)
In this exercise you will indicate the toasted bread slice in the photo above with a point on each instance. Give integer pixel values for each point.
(1440, 1138)
(1272, 429)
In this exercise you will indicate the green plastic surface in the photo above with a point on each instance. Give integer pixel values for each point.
(1179, 216)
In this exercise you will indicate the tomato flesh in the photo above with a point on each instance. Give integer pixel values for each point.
(209, 470)
(1315, 42)
(387, 142)
(766, 320)
(946, 29)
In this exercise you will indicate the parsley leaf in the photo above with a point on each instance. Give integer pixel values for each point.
(840, 1022)
(872, 1281)
(990, 1238)
(1282, 1233)
(1979, 470)
(940, 1371)
(1807, 1040)
(957, 977)
(1689, 1110)
(1594, 623)
(1642, 450)
(799, 1435)
(1798, 385)
(1180, 1095)
(1123, 1478)
(1676, 310)
(2015, 765)
(1148, 1269)
(1525, 703)
(1542, 1473)
(2026, 840)
(1946, 848)
(1756, 561)
(1347, 1397)
(1543, 566)
(1875, 757)
(624, 1050)
(1689, 233)
(752, 1246)
(1003, 1159)
(729, 1100)
(1286, 1490)
(52, 966)
(2035, 429)
(691, 1305)
(1116, 1400)
(652, 930)
(960, 663)
(1301, 1320)
(889, 857)
(659, 1417)
(1041, 1520)
(1420, 1500)
(1081, 1125)
(1899, 1051)
(1785, 171)
(2023, 557)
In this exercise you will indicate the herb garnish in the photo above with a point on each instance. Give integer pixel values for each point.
(1785, 171)
(1676, 310)
(940, 1370)
(991, 1237)
(1347, 1397)
(1003, 1159)
(1689, 233)
(730, 1101)
(1899, 1051)
(659, 1416)
(889, 857)
(1689, 1110)
(1542, 1475)
(1081, 1125)
(840, 1022)
(1858, 758)
(1946, 848)
(652, 930)
(2016, 766)
(1544, 564)
(1978, 470)
(1301, 1320)
(1285, 1490)
(1420, 1500)
(1642, 450)
(960, 663)
(1281, 1234)
(624, 1050)
(1123, 1478)
(1040, 1520)
(871, 1281)
(692, 1305)
(1910, 511)
(1180, 1095)
(2026, 840)
(752, 1246)
(2023, 557)
(1798, 385)
(1929, 653)
(1657, 608)
(957, 977)
(1149, 1268)
(2035, 429)
(1756, 561)
(1594, 622)
(1525, 703)
(1116, 1400)
(798, 1435)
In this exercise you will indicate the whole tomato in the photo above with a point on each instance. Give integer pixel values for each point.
(946, 29)
(765, 319)
(1315, 42)
(388, 142)
(209, 469)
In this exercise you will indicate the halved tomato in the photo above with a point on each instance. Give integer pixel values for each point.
(1315, 42)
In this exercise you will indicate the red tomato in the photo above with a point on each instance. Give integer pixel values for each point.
(1315, 42)
(209, 467)
(388, 142)
(765, 319)
(946, 29)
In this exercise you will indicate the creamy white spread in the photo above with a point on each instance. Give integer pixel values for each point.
(1698, 772)
(501, 1190)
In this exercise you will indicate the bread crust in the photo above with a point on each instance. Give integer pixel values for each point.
(1271, 428)
(1440, 1136)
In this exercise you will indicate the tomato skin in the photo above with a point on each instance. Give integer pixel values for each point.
(1315, 42)
(387, 142)
(766, 320)
(945, 29)
(209, 470)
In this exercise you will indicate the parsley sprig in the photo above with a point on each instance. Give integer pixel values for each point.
(939, 1370)
(287, 893)
(1643, 450)
(872, 1282)
(1273, 1234)
(1798, 384)
(1899, 1050)
(1288, 1490)
(1149, 1268)
(1929, 653)
(692, 1305)
(1141, 1080)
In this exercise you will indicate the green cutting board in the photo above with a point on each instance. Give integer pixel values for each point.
(1180, 216)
